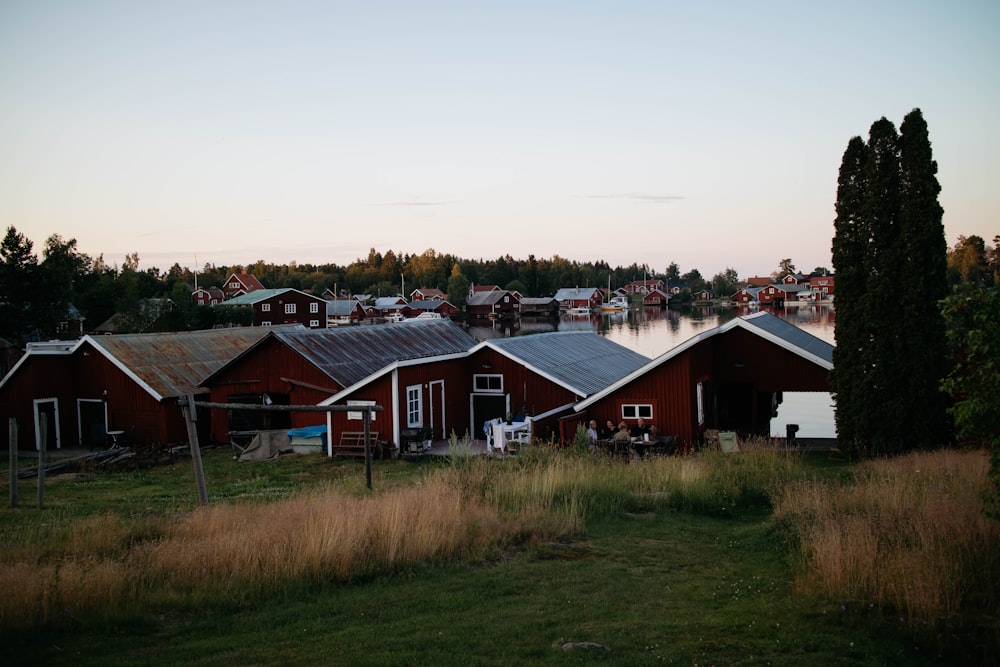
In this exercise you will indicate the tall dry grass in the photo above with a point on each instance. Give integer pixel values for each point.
(908, 533)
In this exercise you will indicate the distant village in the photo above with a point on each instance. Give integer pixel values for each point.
(293, 306)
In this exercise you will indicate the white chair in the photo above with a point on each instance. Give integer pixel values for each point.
(499, 439)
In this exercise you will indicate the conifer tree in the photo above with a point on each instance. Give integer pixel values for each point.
(890, 256)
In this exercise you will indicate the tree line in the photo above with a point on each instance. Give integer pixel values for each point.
(39, 296)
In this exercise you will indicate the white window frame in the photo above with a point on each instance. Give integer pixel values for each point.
(414, 406)
(481, 383)
(265, 323)
(636, 410)
(314, 324)
(359, 415)
(265, 308)
(313, 307)
(289, 309)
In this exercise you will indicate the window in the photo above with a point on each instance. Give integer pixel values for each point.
(314, 324)
(265, 308)
(636, 410)
(414, 406)
(490, 384)
(265, 323)
(359, 414)
(313, 307)
(289, 309)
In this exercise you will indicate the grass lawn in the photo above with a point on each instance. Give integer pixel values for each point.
(645, 586)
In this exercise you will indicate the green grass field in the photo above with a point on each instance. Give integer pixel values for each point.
(680, 562)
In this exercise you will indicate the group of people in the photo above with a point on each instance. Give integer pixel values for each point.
(622, 433)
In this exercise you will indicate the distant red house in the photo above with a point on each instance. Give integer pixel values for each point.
(643, 286)
(493, 303)
(427, 294)
(729, 378)
(746, 295)
(283, 306)
(821, 286)
(579, 297)
(238, 284)
(208, 296)
(656, 297)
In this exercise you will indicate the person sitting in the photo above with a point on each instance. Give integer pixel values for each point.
(641, 430)
(622, 434)
(592, 435)
(608, 432)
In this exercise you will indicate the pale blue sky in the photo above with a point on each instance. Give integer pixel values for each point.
(709, 134)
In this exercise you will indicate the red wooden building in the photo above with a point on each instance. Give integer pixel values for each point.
(283, 306)
(307, 367)
(729, 378)
(127, 383)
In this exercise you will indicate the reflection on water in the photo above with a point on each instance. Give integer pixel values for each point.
(654, 331)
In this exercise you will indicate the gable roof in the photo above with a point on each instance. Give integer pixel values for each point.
(348, 355)
(763, 324)
(580, 361)
(248, 280)
(335, 307)
(256, 296)
(576, 293)
(173, 364)
(488, 298)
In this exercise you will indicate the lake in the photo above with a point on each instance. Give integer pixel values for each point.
(653, 331)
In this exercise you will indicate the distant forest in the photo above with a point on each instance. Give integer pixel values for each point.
(38, 291)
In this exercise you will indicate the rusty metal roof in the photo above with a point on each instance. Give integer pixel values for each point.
(583, 362)
(172, 364)
(350, 354)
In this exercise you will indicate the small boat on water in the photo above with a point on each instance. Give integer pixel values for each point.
(614, 304)
(578, 310)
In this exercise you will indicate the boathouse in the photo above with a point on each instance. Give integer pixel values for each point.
(730, 378)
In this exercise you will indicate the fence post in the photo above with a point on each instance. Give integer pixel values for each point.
(191, 417)
(43, 434)
(368, 448)
(12, 439)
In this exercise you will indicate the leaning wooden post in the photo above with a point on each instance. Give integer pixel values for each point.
(368, 448)
(191, 418)
(12, 439)
(43, 434)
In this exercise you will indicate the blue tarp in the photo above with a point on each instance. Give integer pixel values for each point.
(308, 432)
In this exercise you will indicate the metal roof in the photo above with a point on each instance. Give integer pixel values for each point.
(350, 354)
(575, 293)
(583, 362)
(259, 295)
(172, 364)
(797, 340)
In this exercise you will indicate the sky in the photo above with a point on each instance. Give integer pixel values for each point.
(708, 134)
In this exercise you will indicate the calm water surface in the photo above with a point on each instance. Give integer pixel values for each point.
(653, 331)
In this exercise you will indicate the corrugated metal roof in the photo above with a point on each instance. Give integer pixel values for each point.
(584, 362)
(350, 354)
(791, 334)
(172, 364)
(575, 293)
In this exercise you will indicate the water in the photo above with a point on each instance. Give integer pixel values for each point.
(653, 331)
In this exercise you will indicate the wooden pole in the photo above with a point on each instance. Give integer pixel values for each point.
(43, 434)
(191, 417)
(368, 448)
(12, 439)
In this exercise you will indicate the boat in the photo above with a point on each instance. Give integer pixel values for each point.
(578, 310)
(615, 304)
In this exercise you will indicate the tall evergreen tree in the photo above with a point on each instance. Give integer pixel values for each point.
(926, 251)
(890, 258)
(851, 243)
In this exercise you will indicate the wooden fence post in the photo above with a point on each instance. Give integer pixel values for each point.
(43, 434)
(191, 417)
(12, 439)
(368, 448)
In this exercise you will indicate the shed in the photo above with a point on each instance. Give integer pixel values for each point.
(728, 378)
(128, 383)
